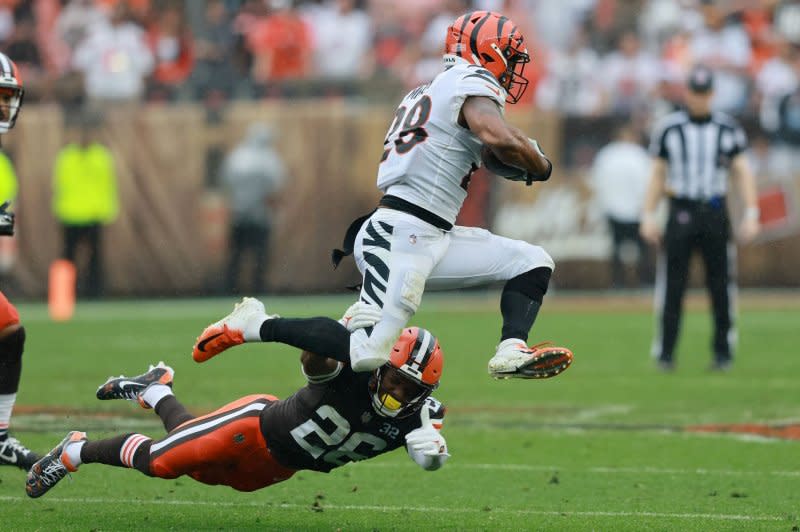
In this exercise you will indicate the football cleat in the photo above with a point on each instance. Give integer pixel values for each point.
(229, 331)
(55, 465)
(131, 388)
(516, 360)
(12, 452)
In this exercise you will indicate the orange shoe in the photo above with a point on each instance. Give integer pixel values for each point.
(229, 331)
(515, 360)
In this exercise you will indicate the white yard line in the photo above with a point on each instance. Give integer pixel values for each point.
(604, 470)
(425, 509)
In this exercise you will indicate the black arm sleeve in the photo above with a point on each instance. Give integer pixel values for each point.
(322, 336)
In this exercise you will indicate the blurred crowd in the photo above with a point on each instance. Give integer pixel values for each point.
(591, 57)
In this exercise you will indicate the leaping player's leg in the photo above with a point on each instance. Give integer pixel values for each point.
(395, 253)
(477, 257)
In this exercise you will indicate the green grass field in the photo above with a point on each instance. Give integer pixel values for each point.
(604, 446)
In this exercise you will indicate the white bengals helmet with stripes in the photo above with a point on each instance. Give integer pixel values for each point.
(416, 360)
(11, 93)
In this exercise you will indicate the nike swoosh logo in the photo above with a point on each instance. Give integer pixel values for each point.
(122, 384)
(201, 346)
(496, 91)
(9, 458)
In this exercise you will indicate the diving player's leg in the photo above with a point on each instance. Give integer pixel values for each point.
(249, 322)
(478, 257)
(396, 253)
(242, 325)
(209, 448)
(12, 344)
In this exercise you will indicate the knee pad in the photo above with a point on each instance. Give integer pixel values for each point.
(532, 283)
(412, 289)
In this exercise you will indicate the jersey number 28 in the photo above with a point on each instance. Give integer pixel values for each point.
(407, 128)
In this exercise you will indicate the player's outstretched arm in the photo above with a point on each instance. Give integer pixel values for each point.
(510, 145)
(649, 227)
(743, 175)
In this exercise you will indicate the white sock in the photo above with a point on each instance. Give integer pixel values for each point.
(155, 393)
(252, 329)
(73, 452)
(6, 406)
(510, 341)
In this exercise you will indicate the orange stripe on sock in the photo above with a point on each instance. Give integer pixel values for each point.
(129, 448)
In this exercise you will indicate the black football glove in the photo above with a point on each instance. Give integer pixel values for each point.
(531, 177)
(6, 221)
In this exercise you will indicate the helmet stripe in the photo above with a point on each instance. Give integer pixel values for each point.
(464, 22)
(424, 346)
(473, 36)
(5, 65)
(500, 23)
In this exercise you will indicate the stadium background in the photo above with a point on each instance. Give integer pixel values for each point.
(611, 62)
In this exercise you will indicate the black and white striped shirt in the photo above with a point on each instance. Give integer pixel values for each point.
(698, 153)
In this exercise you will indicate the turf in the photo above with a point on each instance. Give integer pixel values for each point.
(604, 446)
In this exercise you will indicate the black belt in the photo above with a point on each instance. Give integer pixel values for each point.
(399, 204)
(715, 202)
(390, 202)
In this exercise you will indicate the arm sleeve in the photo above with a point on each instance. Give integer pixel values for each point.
(658, 146)
(739, 141)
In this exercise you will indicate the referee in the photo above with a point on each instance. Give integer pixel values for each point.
(695, 152)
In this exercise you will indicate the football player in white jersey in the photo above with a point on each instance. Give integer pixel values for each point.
(433, 145)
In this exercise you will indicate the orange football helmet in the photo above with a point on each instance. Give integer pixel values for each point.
(11, 93)
(414, 368)
(494, 42)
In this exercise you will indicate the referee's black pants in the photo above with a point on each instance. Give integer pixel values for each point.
(704, 226)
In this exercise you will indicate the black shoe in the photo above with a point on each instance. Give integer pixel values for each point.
(12, 452)
(48, 471)
(131, 388)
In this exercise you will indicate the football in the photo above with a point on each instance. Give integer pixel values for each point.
(493, 164)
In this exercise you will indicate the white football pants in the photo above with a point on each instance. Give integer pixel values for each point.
(400, 255)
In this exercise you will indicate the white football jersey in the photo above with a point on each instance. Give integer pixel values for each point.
(428, 156)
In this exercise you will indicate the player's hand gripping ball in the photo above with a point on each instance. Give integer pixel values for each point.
(493, 164)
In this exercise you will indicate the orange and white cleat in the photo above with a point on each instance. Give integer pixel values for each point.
(230, 330)
(515, 360)
(51, 468)
(132, 388)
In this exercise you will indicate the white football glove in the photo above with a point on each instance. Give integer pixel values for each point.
(426, 445)
(360, 315)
